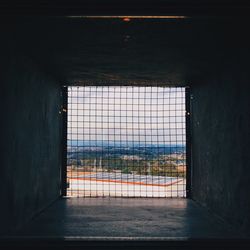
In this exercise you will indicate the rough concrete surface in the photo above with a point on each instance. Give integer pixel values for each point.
(210, 55)
(221, 140)
(128, 218)
(30, 141)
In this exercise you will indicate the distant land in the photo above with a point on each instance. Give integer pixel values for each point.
(95, 143)
(80, 148)
(127, 157)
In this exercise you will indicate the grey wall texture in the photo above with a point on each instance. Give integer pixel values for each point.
(30, 141)
(221, 138)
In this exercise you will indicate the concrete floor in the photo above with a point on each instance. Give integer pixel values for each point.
(126, 218)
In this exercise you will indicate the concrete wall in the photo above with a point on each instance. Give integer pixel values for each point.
(30, 141)
(221, 137)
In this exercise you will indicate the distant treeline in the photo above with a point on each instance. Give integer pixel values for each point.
(148, 152)
(139, 160)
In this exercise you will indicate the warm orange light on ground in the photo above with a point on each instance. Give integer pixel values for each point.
(126, 19)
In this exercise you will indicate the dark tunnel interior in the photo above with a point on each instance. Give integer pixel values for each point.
(40, 55)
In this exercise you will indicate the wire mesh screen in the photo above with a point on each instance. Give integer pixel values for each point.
(126, 141)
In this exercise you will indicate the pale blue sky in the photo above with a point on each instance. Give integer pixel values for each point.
(115, 113)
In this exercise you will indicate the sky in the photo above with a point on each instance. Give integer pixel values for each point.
(146, 115)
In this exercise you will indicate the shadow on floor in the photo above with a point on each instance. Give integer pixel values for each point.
(128, 222)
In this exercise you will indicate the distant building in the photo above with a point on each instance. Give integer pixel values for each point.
(175, 156)
(117, 171)
(131, 157)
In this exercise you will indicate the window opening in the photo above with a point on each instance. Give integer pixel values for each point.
(126, 141)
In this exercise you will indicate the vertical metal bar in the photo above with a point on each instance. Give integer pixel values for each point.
(64, 141)
(170, 141)
(188, 144)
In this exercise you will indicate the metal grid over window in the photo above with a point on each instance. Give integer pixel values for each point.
(126, 141)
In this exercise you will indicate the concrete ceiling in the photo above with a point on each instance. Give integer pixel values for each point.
(115, 51)
(124, 7)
